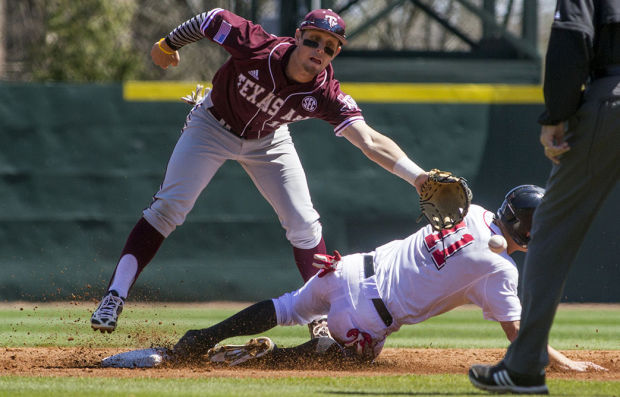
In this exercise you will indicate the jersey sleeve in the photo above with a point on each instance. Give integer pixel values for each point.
(235, 34)
(497, 295)
(186, 33)
(575, 15)
(563, 80)
(341, 110)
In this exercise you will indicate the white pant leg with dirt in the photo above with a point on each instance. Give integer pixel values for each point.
(576, 189)
(345, 296)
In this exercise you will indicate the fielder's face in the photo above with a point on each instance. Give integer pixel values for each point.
(316, 49)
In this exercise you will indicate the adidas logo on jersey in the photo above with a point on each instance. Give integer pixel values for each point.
(254, 73)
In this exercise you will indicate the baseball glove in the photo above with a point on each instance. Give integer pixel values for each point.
(196, 96)
(444, 199)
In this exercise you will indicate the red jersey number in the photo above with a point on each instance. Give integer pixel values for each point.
(457, 238)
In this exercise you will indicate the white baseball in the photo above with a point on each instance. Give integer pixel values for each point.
(497, 243)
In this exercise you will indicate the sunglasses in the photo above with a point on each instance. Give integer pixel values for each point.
(315, 44)
(325, 25)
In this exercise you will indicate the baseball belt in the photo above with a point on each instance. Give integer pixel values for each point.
(608, 71)
(227, 127)
(369, 271)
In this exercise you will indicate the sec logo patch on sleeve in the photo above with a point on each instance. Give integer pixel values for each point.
(309, 103)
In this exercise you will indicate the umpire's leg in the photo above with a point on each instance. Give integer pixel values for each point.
(575, 190)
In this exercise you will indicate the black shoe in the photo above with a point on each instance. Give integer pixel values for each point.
(499, 379)
(194, 344)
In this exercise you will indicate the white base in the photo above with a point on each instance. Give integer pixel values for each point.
(145, 358)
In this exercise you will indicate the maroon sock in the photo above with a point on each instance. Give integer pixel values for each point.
(143, 243)
(304, 259)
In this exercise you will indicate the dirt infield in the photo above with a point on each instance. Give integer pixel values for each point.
(56, 361)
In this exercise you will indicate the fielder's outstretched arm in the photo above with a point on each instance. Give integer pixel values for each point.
(511, 328)
(385, 152)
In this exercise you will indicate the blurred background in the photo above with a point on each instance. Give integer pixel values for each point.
(103, 41)
(457, 85)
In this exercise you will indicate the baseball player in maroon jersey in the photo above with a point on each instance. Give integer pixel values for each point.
(368, 296)
(267, 83)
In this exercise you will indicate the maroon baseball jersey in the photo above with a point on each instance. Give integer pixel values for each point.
(251, 92)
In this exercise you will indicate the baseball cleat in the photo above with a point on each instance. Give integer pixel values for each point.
(499, 379)
(145, 358)
(106, 315)
(237, 354)
(318, 328)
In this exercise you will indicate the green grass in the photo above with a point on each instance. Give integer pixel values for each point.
(403, 385)
(465, 328)
(28, 325)
(67, 325)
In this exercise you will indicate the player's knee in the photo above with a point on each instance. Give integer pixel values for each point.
(305, 235)
(285, 311)
(165, 215)
(283, 306)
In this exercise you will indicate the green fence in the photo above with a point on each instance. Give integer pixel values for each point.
(78, 164)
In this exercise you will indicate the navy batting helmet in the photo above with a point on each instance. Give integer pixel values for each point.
(517, 209)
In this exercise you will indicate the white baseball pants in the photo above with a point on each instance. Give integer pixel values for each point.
(271, 162)
(345, 295)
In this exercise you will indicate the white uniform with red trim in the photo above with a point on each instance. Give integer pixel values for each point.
(419, 277)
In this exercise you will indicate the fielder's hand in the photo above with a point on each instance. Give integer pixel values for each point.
(163, 56)
(420, 180)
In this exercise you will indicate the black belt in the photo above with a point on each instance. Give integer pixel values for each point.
(369, 271)
(607, 71)
(227, 127)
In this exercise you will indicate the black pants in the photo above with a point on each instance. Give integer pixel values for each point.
(576, 189)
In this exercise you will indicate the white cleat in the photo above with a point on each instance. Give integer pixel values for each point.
(237, 354)
(106, 315)
(145, 358)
